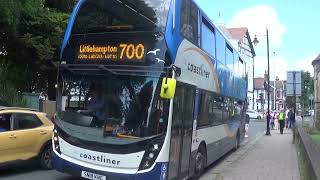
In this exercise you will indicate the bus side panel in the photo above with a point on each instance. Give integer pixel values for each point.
(214, 137)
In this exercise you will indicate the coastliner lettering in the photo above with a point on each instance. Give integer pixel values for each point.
(100, 158)
(198, 70)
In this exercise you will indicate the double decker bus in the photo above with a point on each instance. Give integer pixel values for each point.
(147, 89)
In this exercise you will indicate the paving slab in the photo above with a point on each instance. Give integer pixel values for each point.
(267, 157)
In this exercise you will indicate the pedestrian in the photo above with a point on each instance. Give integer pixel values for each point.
(272, 120)
(291, 119)
(287, 118)
(276, 122)
(281, 119)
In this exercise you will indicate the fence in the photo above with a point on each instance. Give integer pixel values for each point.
(48, 107)
(310, 153)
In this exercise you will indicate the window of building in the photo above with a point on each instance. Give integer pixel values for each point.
(208, 39)
(241, 68)
(189, 21)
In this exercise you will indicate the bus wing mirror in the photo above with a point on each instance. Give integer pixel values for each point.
(168, 88)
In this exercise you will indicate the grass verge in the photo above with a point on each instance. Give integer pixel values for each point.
(316, 138)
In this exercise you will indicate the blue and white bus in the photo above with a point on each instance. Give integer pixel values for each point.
(112, 121)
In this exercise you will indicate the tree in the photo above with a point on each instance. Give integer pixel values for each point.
(290, 102)
(30, 36)
(63, 5)
(307, 88)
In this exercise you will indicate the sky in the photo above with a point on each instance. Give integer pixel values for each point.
(293, 30)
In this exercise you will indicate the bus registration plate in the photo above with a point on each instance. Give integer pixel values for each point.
(93, 176)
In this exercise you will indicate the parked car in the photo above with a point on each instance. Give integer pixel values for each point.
(25, 135)
(253, 114)
(311, 112)
(306, 114)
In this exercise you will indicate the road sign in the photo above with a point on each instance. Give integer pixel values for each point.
(294, 83)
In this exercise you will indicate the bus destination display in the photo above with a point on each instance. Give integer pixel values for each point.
(112, 53)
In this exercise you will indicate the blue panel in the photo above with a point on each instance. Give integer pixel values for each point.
(159, 172)
(173, 37)
(70, 25)
(223, 76)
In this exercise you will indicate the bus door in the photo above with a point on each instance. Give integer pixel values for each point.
(181, 131)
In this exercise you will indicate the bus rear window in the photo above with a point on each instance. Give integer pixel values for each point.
(116, 15)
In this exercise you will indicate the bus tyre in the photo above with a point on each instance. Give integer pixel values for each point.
(201, 160)
(46, 157)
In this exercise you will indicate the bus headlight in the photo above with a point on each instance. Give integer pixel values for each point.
(55, 141)
(149, 157)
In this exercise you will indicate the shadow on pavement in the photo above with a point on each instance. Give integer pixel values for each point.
(18, 169)
(32, 171)
(224, 157)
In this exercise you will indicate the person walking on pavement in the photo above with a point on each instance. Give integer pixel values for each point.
(281, 119)
(272, 120)
(291, 119)
(287, 118)
(276, 121)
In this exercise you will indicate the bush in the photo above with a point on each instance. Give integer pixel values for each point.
(9, 96)
(316, 138)
(313, 132)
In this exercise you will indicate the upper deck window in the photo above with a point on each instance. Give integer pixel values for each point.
(221, 47)
(189, 21)
(229, 57)
(208, 39)
(121, 15)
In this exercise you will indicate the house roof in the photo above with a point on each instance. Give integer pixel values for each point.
(239, 34)
(316, 60)
(258, 83)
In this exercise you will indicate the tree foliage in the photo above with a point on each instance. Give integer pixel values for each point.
(307, 88)
(290, 102)
(31, 32)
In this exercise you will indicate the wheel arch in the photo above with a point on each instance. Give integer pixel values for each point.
(47, 143)
(203, 144)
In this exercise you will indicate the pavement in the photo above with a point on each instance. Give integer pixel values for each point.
(266, 157)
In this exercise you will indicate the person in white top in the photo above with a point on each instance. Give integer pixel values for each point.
(287, 118)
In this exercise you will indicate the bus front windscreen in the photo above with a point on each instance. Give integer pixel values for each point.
(112, 109)
(96, 16)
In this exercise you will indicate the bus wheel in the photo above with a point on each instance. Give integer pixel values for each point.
(201, 160)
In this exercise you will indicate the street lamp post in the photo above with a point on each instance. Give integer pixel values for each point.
(255, 42)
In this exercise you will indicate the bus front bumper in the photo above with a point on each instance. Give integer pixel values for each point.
(159, 172)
